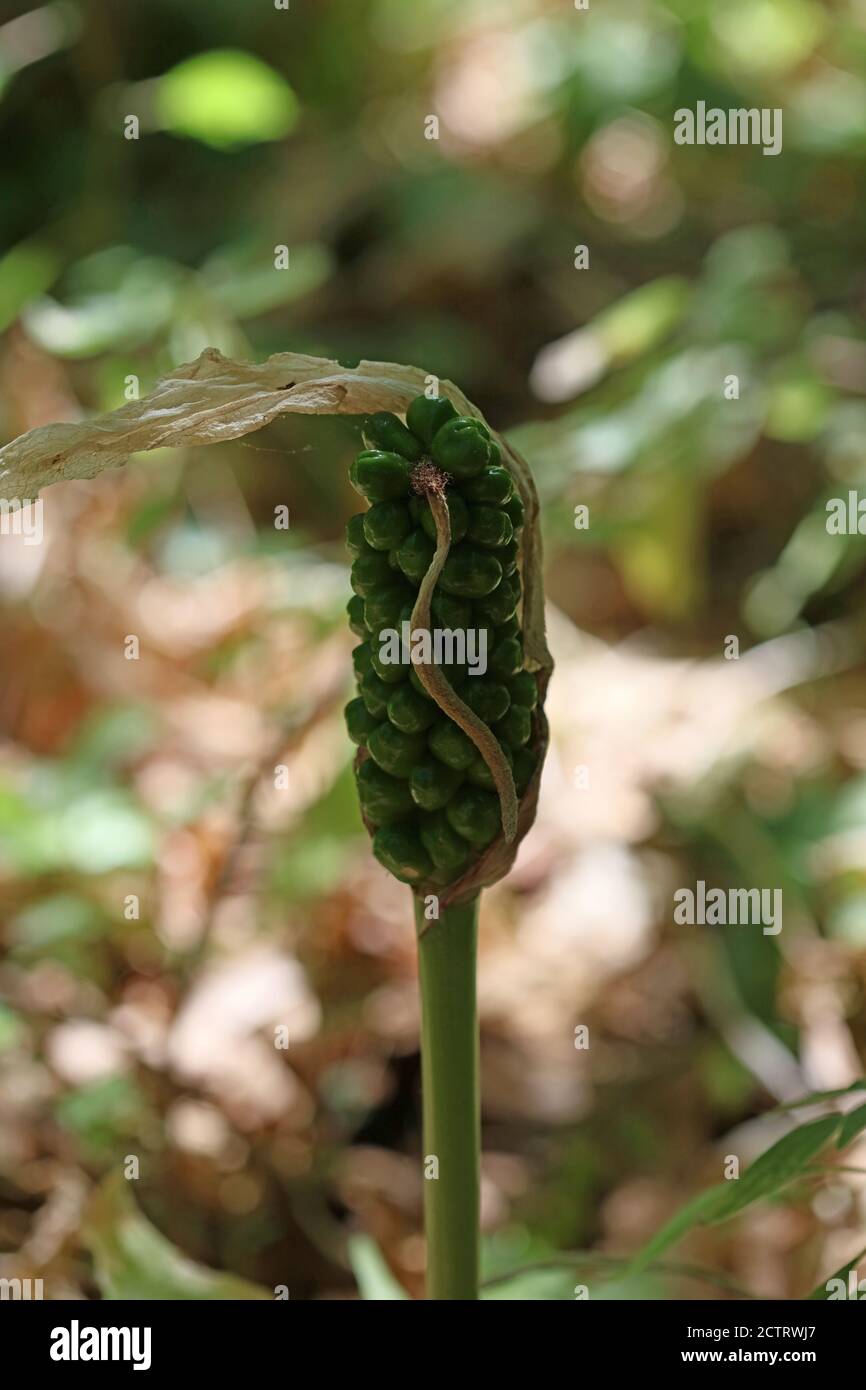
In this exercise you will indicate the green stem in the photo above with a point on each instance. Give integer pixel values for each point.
(449, 1075)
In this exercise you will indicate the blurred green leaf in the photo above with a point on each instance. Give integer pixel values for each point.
(103, 1115)
(26, 272)
(853, 1124)
(133, 1260)
(785, 1160)
(226, 98)
(372, 1275)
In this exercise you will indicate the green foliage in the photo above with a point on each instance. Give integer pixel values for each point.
(788, 1159)
(374, 1278)
(225, 98)
(133, 1260)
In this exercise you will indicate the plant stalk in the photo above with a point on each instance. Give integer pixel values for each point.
(451, 1106)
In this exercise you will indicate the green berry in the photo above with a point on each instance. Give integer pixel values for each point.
(506, 659)
(493, 486)
(508, 557)
(410, 712)
(355, 610)
(488, 526)
(523, 689)
(457, 511)
(391, 672)
(380, 476)
(448, 611)
(427, 414)
(398, 848)
(524, 769)
(415, 682)
(385, 607)
(386, 524)
(510, 628)
(498, 606)
(487, 699)
(386, 431)
(450, 745)
(359, 721)
(370, 572)
(375, 694)
(394, 751)
(383, 798)
(415, 555)
(446, 848)
(479, 773)
(432, 784)
(462, 448)
(515, 510)
(469, 573)
(474, 814)
(362, 659)
(356, 541)
(515, 727)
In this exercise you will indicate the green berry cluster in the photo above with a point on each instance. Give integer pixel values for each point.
(424, 788)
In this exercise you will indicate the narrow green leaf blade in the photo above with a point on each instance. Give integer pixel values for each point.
(852, 1124)
(783, 1161)
(699, 1209)
(374, 1278)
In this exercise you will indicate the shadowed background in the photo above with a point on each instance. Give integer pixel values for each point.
(146, 787)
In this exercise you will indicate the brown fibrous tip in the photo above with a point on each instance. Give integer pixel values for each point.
(426, 478)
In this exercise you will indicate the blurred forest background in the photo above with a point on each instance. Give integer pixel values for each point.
(152, 1036)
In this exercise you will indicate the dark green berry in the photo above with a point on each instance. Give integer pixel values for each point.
(386, 524)
(375, 694)
(384, 608)
(362, 659)
(415, 682)
(394, 751)
(410, 712)
(523, 689)
(461, 448)
(508, 557)
(432, 784)
(356, 541)
(510, 628)
(488, 526)
(386, 431)
(359, 721)
(448, 611)
(446, 848)
(391, 672)
(524, 769)
(370, 572)
(383, 798)
(380, 476)
(487, 699)
(515, 510)
(492, 486)
(457, 511)
(414, 556)
(469, 572)
(427, 414)
(515, 727)
(506, 659)
(479, 773)
(355, 610)
(450, 745)
(474, 814)
(398, 848)
(500, 605)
